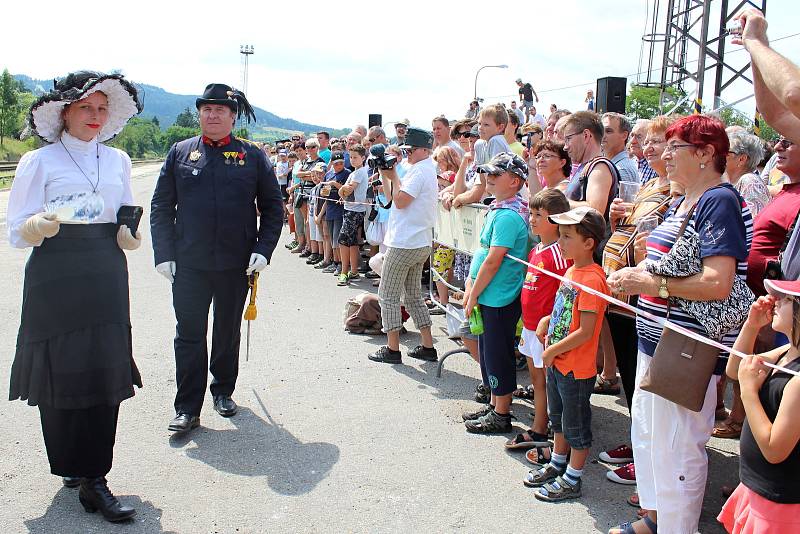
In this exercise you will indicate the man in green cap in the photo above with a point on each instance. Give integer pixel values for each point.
(408, 238)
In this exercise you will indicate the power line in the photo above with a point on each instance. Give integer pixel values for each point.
(584, 84)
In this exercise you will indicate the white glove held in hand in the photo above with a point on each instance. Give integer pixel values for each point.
(39, 226)
(257, 263)
(167, 270)
(126, 240)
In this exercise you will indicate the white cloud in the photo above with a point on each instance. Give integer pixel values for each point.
(333, 65)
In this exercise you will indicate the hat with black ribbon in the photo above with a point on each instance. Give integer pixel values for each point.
(46, 119)
(225, 95)
(418, 138)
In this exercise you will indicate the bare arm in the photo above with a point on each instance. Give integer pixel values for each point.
(597, 189)
(777, 439)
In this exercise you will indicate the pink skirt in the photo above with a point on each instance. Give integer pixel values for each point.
(747, 512)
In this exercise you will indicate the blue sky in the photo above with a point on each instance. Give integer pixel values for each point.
(334, 66)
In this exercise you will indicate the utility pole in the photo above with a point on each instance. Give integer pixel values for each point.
(246, 51)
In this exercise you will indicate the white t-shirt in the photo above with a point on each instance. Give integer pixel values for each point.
(412, 226)
(540, 120)
(496, 145)
(360, 177)
(455, 146)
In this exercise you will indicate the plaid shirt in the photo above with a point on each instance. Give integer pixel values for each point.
(646, 172)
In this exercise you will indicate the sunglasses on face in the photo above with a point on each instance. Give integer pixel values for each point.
(465, 134)
(784, 142)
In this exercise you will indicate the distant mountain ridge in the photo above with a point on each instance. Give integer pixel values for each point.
(166, 106)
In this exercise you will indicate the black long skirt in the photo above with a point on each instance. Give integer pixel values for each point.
(74, 351)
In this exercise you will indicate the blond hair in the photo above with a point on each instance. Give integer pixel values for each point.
(496, 112)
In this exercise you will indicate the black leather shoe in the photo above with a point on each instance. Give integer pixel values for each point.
(424, 353)
(95, 495)
(225, 406)
(386, 355)
(71, 482)
(184, 422)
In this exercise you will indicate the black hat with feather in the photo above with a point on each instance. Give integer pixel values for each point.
(46, 119)
(221, 94)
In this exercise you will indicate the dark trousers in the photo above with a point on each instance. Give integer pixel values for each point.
(79, 443)
(498, 363)
(626, 345)
(192, 294)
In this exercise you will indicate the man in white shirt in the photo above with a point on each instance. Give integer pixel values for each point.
(538, 118)
(518, 112)
(408, 237)
(441, 135)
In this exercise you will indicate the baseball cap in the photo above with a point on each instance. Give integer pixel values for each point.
(418, 138)
(505, 162)
(585, 216)
(282, 152)
(780, 288)
(319, 167)
(518, 80)
(337, 156)
(404, 122)
(474, 130)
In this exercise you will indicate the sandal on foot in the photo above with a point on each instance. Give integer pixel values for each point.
(528, 440)
(727, 429)
(558, 490)
(627, 528)
(539, 455)
(524, 393)
(633, 500)
(603, 386)
(537, 478)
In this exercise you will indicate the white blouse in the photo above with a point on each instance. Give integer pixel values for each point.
(48, 173)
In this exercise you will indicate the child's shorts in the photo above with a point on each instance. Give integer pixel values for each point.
(334, 229)
(353, 220)
(569, 408)
(314, 232)
(443, 258)
(530, 346)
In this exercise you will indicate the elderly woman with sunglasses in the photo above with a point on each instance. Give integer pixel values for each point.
(746, 152)
(668, 439)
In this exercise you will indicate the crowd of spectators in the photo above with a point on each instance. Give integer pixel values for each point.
(600, 201)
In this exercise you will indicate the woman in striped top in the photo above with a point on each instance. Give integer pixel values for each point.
(668, 439)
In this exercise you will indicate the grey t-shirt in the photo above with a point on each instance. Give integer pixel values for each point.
(361, 178)
(790, 263)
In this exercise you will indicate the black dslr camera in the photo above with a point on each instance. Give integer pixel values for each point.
(378, 159)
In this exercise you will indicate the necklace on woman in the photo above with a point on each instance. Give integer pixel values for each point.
(94, 185)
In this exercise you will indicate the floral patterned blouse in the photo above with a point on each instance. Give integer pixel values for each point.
(754, 191)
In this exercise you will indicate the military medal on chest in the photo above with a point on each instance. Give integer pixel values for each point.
(241, 158)
(194, 155)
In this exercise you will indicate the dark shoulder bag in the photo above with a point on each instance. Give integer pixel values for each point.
(681, 367)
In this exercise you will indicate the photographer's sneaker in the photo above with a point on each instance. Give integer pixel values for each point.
(623, 475)
(621, 455)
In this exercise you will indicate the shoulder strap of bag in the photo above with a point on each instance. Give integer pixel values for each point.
(788, 236)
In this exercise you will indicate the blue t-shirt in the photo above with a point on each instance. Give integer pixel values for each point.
(725, 225)
(335, 209)
(503, 228)
(325, 155)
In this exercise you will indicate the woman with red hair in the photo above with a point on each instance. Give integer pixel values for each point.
(669, 439)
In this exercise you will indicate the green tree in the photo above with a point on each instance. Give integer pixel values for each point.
(174, 133)
(155, 121)
(187, 119)
(9, 105)
(645, 102)
(139, 138)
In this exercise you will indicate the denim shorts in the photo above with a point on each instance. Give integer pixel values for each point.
(569, 408)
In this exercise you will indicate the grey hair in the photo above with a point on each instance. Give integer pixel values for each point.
(641, 123)
(622, 120)
(749, 145)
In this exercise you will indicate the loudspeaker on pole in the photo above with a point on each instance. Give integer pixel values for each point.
(375, 119)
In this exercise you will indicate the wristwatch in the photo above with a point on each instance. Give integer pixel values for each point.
(663, 292)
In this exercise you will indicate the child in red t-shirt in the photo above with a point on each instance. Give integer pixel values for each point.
(538, 295)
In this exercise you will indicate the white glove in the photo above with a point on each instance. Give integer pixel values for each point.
(257, 263)
(39, 226)
(167, 270)
(126, 240)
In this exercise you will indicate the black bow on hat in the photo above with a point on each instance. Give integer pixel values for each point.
(225, 95)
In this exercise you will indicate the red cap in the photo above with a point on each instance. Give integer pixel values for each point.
(783, 287)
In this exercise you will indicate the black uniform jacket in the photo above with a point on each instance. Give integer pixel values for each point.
(203, 214)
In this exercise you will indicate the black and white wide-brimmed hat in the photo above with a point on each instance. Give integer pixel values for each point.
(45, 118)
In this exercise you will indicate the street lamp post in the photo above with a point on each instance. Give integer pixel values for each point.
(479, 71)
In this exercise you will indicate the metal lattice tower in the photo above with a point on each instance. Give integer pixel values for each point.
(246, 51)
(681, 44)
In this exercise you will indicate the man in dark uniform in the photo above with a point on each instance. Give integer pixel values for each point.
(206, 241)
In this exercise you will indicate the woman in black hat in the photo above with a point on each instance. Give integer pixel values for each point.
(74, 356)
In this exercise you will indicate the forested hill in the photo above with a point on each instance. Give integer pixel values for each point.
(166, 106)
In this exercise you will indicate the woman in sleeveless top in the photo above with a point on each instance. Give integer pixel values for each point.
(768, 498)
(74, 353)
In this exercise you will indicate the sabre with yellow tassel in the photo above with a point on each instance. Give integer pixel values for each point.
(251, 312)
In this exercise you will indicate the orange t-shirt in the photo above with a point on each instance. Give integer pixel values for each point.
(565, 319)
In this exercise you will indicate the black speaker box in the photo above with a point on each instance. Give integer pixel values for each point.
(375, 119)
(610, 94)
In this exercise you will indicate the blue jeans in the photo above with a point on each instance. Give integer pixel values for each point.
(569, 408)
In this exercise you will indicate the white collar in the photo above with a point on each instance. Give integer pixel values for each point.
(76, 145)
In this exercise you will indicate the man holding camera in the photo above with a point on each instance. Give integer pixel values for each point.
(408, 238)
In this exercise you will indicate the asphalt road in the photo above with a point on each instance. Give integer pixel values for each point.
(325, 441)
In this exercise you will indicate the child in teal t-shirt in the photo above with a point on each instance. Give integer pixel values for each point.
(494, 285)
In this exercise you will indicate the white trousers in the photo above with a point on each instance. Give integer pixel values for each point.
(669, 450)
